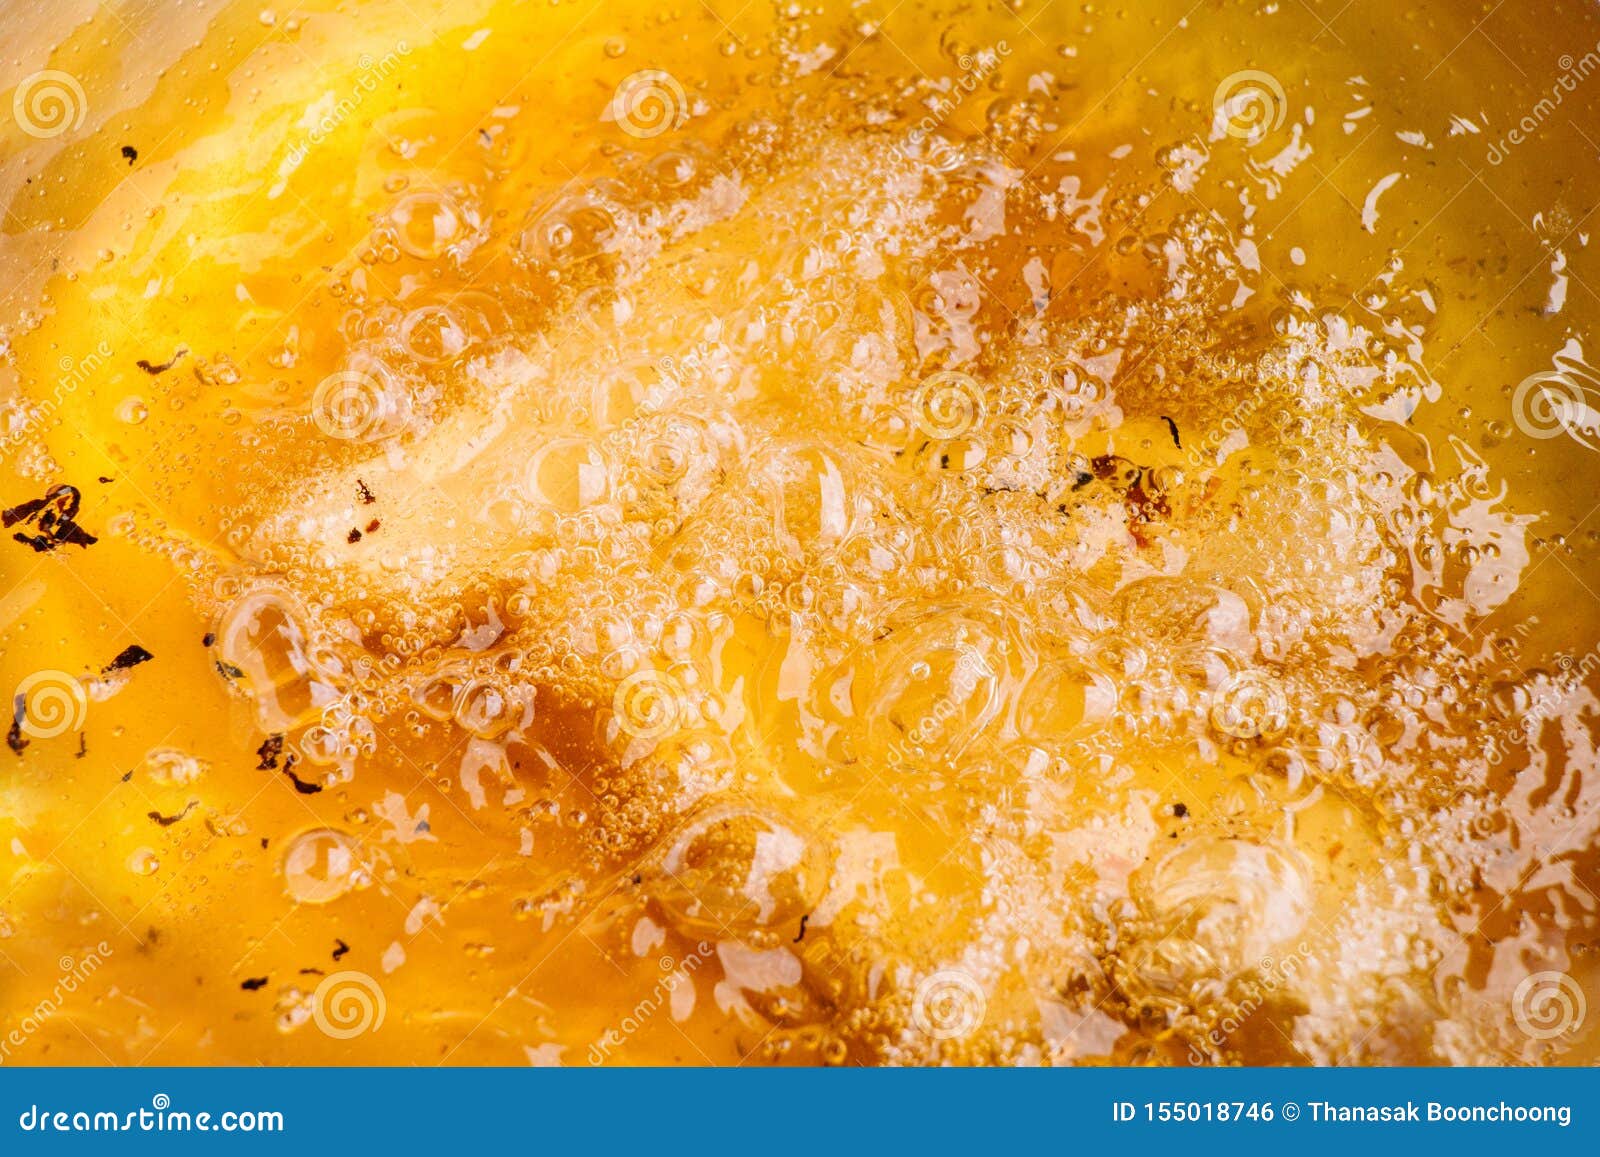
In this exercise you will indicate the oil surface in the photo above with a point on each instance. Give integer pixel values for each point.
(601, 533)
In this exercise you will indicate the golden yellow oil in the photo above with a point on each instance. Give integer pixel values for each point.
(799, 533)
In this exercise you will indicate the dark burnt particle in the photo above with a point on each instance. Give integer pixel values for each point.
(803, 921)
(14, 738)
(153, 368)
(1172, 428)
(103, 480)
(353, 537)
(1180, 810)
(83, 746)
(253, 983)
(207, 639)
(131, 153)
(300, 785)
(229, 670)
(364, 493)
(129, 656)
(168, 821)
(55, 515)
(371, 526)
(339, 948)
(268, 753)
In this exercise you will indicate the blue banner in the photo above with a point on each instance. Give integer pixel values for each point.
(764, 1112)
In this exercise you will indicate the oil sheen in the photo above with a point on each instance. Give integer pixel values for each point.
(821, 533)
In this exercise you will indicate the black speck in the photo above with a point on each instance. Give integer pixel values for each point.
(103, 480)
(340, 948)
(130, 656)
(802, 935)
(126, 776)
(300, 785)
(365, 493)
(1082, 480)
(168, 821)
(1180, 810)
(208, 639)
(229, 671)
(14, 738)
(152, 368)
(253, 983)
(264, 841)
(353, 537)
(131, 153)
(56, 515)
(83, 745)
(268, 752)
(1173, 428)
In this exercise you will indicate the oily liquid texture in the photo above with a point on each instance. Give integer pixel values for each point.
(868, 547)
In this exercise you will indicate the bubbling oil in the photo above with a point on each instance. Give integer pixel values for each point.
(821, 538)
